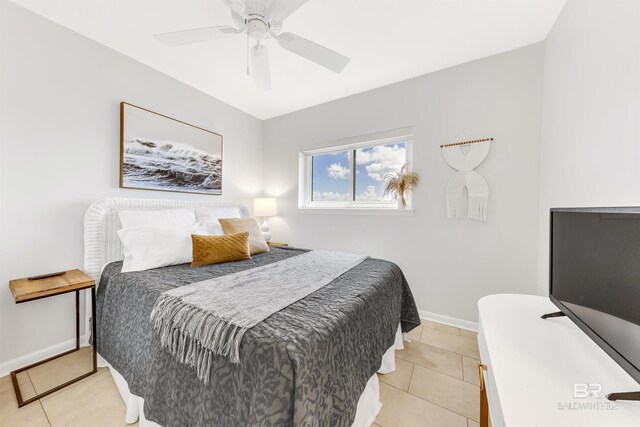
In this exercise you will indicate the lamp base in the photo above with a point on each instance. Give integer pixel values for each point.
(266, 231)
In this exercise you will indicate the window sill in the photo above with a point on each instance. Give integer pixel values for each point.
(358, 211)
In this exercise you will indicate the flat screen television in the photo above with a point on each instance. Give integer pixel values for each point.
(595, 277)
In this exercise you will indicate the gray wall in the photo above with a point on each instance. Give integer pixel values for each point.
(59, 151)
(449, 263)
(590, 153)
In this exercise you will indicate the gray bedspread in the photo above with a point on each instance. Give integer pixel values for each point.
(305, 365)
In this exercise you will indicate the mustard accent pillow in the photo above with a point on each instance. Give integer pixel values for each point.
(238, 225)
(217, 249)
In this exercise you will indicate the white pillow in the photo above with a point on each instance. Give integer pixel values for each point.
(210, 228)
(152, 246)
(214, 214)
(157, 217)
(208, 217)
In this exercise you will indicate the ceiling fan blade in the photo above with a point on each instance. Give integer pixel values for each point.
(237, 6)
(313, 52)
(260, 69)
(197, 35)
(280, 9)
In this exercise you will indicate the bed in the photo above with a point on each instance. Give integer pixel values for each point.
(312, 363)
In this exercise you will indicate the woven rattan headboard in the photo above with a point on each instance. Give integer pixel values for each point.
(101, 224)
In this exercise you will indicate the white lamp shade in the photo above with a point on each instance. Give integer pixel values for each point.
(265, 206)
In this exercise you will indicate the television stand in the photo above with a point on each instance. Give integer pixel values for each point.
(547, 373)
(554, 314)
(629, 395)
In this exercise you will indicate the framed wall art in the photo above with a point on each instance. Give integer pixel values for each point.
(165, 154)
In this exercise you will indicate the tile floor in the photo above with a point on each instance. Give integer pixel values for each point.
(435, 384)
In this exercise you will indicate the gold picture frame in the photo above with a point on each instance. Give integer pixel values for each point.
(160, 153)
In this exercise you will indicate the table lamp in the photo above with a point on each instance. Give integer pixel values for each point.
(265, 207)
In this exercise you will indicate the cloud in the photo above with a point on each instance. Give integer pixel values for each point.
(370, 195)
(330, 196)
(337, 171)
(382, 160)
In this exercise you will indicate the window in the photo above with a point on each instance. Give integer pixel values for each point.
(352, 175)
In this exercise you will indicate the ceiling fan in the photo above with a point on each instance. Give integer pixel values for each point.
(260, 19)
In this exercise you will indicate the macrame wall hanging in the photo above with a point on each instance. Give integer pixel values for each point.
(477, 189)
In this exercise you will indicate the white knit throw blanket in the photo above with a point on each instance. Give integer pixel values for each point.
(209, 318)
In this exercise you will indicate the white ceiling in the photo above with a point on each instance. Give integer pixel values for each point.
(387, 40)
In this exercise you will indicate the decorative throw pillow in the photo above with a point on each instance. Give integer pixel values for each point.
(238, 225)
(217, 249)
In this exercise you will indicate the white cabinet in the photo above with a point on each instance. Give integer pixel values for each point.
(537, 370)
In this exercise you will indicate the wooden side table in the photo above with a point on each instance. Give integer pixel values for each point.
(24, 290)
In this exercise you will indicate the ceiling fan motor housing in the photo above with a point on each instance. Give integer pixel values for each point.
(257, 27)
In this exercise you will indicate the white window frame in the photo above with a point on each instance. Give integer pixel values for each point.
(305, 202)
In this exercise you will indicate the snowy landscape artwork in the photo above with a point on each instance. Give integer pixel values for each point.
(161, 153)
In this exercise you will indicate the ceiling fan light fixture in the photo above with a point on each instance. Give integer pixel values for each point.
(260, 67)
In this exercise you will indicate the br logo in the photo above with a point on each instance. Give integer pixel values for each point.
(585, 390)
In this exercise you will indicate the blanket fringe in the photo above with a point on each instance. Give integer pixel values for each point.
(194, 336)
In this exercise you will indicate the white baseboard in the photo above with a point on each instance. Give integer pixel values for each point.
(28, 359)
(447, 320)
